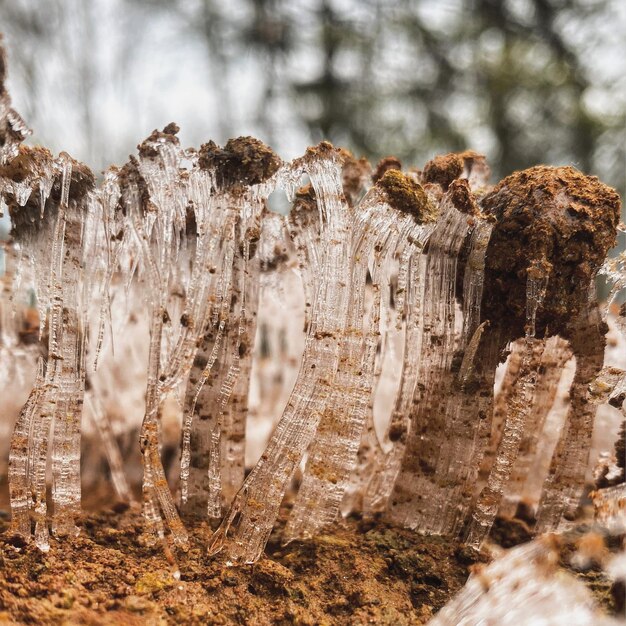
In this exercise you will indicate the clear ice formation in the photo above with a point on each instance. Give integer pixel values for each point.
(543, 594)
(433, 273)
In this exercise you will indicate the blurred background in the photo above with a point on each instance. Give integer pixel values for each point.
(524, 81)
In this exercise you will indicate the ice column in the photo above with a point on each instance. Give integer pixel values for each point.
(215, 409)
(377, 228)
(247, 526)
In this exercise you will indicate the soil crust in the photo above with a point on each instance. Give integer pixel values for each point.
(357, 573)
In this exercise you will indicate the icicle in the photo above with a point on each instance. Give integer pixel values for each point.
(67, 350)
(428, 427)
(20, 466)
(467, 364)
(110, 196)
(157, 175)
(564, 484)
(474, 277)
(236, 410)
(45, 187)
(111, 448)
(191, 410)
(555, 301)
(231, 289)
(615, 271)
(51, 386)
(385, 471)
(22, 191)
(555, 355)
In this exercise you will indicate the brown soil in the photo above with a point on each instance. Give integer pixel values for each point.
(462, 197)
(354, 574)
(147, 148)
(242, 161)
(443, 169)
(553, 222)
(384, 165)
(354, 173)
(30, 164)
(406, 195)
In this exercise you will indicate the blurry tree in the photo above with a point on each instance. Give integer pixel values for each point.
(517, 79)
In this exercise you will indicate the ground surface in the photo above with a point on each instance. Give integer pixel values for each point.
(356, 574)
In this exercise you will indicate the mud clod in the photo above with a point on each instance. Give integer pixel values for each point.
(407, 195)
(384, 165)
(443, 170)
(553, 220)
(242, 161)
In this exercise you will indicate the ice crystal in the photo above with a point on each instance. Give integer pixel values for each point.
(366, 328)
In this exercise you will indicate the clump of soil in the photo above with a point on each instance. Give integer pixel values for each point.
(354, 173)
(553, 223)
(147, 148)
(407, 195)
(242, 161)
(443, 169)
(32, 164)
(384, 165)
(462, 198)
(353, 574)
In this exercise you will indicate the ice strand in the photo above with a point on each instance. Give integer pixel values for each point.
(414, 483)
(471, 394)
(518, 411)
(501, 403)
(156, 263)
(246, 528)
(209, 414)
(66, 485)
(234, 431)
(111, 448)
(553, 359)
(203, 400)
(53, 394)
(242, 178)
(230, 370)
(59, 400)
(332, 456)
(198, 406)
(20, 466)
(387, 466)
(564, 485)
(518, 415)
(389, 349)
